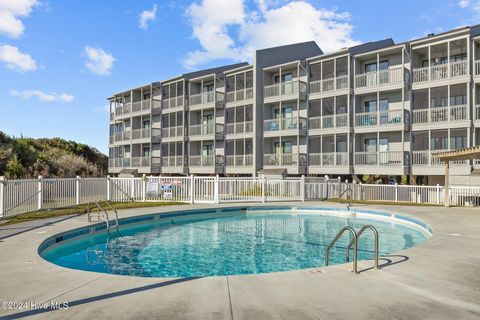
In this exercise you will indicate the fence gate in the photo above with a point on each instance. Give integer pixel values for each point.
(204, 189)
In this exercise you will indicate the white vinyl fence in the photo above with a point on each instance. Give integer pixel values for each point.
(20, 196)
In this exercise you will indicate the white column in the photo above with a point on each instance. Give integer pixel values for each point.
(216, 189)
(448, 60)
(302, 188)
(447, 183)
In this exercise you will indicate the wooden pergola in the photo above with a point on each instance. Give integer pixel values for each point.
(459, 154)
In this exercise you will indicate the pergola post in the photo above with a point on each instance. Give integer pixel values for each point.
(447, 184)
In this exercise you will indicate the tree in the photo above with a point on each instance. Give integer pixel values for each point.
(14, 168)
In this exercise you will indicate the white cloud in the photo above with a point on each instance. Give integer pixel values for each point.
(464, 3)
(271, 23)
(16, 60)
(99, 61)
(147, 16)
(11, 12)
(42, 96)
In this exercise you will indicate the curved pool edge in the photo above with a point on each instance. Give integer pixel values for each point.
(211, 213)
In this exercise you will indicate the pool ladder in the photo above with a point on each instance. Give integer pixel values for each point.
(353, 242)
(349, 197)
(101, 211)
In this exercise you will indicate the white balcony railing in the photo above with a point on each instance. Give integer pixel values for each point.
(122, 136)
(156, 104)
(440, 114)
(285, 124)
(202, 129)
(382, 118)
(329, 85)
(240, 95)
(381, 158)
(133, 162)
(285, 159)
(140, 133)
(171, 132)
(441, 72)
(329, 121)
(173, 102)
(380, 78)
(336, 159)
(244, 160)
(202, 98)
(425, 158)
(201, 161)
(172, 161)
(284, 88)
(240, 127)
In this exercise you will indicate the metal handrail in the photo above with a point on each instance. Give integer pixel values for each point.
(355, 246)
(375, 232)
(349, 197)
(99, 207)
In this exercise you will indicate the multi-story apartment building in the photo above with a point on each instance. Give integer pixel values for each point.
(377, 109)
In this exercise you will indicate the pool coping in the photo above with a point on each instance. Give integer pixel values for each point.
(425, 281)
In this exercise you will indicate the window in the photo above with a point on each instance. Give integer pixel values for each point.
(208, 87)
(146, 151)
(284, 147)
(439, 143)
(458, 142)
(207, 150)
(285, 78)
(371, 106)
(146, 124)
(458, 100)
(372, 67)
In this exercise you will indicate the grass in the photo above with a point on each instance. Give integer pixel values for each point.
(77, 210)
(389, 203)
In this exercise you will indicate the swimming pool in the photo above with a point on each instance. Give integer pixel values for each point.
(228, 241)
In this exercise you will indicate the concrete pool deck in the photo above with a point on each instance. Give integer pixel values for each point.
(438, 279)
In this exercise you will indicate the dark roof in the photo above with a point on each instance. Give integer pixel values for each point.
(371, 46)
(216, 70)
(288, 53)
(475, 30)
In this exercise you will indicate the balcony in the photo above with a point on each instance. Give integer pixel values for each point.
(381, 158)
(423, 163)
(440, 115)
(173, 104)
(284, 126)
(331, 86)
(240, 95)
(173, 161)
(170, 133)
(328, 122)
(383, 120)
(244, 160)
(284, 159)
(140, 106)
(285, 91)
(121, 136)
(206, 99)
(436, 74)
(123, 110)
(332, 159)
(206, 163)
(239, 128)
(138, 134)
(477, 70)
(385, 79)
(206, 131)
(134, 162)
(477, 113)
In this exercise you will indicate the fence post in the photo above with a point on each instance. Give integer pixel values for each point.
(326, 186)
(192, 189)
(77, 190)
(264, 181)
(144, 187)
(215, 190)
(339, 187)
(302, 188)
(438, 193)
(396, 192)
(132, 189)
(3, 182)
(109, 189)
(40, 192)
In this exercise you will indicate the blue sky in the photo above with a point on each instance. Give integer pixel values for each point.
(60, 60)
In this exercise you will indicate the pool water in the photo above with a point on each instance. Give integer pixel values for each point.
(234, 243)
